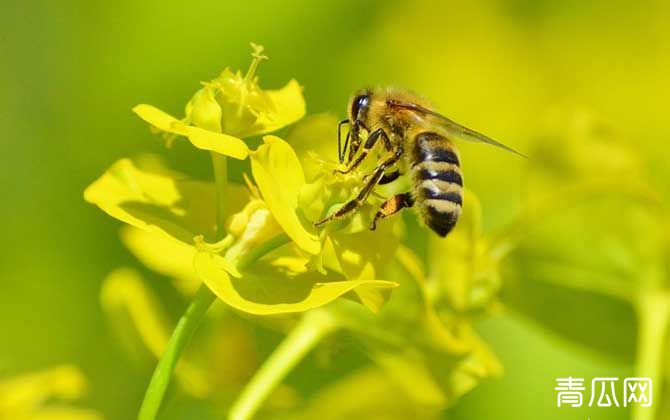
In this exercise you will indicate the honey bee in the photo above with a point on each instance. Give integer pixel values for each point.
(419, 143)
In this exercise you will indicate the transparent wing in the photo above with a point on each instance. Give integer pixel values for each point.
(451, 127)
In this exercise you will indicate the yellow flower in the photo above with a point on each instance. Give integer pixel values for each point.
(229, 108)
(284, 282)
(171, 207)
(280, 177)
(144, 193)
(256, 248)
(34, 396)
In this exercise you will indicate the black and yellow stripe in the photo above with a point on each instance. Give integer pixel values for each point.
(438, 182)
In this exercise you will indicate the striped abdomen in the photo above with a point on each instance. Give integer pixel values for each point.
(437, 180)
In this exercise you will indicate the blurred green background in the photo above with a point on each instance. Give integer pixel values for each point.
(71, 72)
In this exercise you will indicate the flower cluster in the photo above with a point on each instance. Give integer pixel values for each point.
(255, 248)
(178, 213)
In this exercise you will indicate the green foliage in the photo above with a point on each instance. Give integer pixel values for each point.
(573, 240)
(593, 195)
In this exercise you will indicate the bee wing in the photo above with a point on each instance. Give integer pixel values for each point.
(450, 126)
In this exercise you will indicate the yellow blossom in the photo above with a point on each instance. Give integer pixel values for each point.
(280, 177)
(40, 395)
(229, 108)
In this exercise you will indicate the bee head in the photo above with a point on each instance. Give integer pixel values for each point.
(359, 105)
(358, 110)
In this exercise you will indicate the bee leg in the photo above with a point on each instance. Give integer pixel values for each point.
(356, 202)
(392, 206)
(341, 150)
(388, 178)
(355, 132)
(365, 191)
(369, 144)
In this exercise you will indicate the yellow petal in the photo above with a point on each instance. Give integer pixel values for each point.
(152, 198)
(279, 176)
(217, 142)
(315, 141)
(204, 111)
(64, 413)
(199, 137)
(265, 295)
(161, 253)
(362, 254)
(372, 296)
(159, 119)
(24, 392)
(124, 297)
(289, 107)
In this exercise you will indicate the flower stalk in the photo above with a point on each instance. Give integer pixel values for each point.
(198, 307)
(184, 330)
(654, 317)
(218, 117)
(166, 365)
(220, 166)
(195, 311)
(313, 327)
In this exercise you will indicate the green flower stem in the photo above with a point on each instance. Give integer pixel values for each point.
(180, 337)
(255, 253)
(654, 315)
(220, 166)
(184, 330)
(314, 325)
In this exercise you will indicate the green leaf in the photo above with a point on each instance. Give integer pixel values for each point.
(550, 278)
(164, 255)
(589, 243)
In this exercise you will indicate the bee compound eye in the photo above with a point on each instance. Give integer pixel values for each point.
(359, 102)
